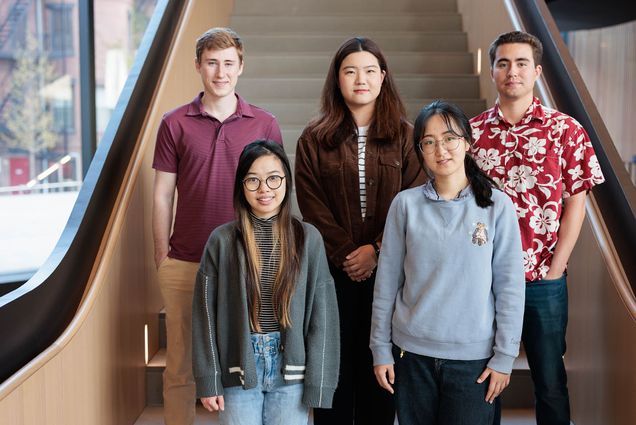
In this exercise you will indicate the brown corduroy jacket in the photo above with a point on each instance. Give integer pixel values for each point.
(328, 191)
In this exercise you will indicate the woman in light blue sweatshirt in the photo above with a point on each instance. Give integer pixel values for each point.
(449, 294)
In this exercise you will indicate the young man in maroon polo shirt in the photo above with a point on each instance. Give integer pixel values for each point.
(544, 161)
(197, 150)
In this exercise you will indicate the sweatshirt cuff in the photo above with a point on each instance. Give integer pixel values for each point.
(321, 397)
(382, 355)
(207, 387)
(501, 363)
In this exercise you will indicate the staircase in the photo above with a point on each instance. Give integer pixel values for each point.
(289, 45)
(155, 367)
(288, 48)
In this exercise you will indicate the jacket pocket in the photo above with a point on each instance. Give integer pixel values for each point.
(331, 179)
(390, 173)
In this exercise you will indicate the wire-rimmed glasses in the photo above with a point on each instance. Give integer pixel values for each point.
(450, 143)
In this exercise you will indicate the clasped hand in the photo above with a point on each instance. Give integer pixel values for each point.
(359, 264)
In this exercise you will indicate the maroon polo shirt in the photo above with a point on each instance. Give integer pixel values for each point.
(204, 153)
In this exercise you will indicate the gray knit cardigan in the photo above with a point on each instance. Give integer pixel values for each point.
(222, 354)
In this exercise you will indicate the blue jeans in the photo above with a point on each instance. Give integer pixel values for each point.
(430, 391)
(272, 402)
(544, 325)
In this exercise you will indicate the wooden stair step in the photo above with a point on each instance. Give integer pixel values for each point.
(388, 41)
(259, 65)
(447, 21)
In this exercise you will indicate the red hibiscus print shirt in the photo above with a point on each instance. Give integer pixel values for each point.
(544, 158)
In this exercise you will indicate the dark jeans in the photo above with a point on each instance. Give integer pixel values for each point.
(544, 326)
(430, 391)
(359, 398)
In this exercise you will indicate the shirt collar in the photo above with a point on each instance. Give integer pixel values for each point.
(431, 193)
(534, 112)
(263, 222)
(243, 109)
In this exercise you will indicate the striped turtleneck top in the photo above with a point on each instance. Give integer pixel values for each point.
(270, 258)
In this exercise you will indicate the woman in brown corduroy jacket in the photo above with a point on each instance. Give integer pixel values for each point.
(350, 162)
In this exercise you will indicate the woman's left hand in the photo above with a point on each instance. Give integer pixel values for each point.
(359, 264)
(498, 382)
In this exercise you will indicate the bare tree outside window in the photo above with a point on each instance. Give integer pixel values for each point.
(28, 120)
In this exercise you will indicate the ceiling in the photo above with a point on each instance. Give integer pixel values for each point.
(573, 15)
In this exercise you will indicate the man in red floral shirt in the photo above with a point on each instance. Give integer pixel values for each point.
(544, 161)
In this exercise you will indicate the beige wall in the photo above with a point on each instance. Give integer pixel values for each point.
(483, 21)
(95, 373)
(606, 59)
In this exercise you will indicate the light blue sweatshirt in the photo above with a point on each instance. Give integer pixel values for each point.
(450, 280)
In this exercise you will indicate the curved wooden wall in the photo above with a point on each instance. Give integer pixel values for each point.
(606, 58)
(601, 340)
(95, 372)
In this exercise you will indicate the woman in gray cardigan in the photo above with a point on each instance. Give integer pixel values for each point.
(449, 293)
(265, 316)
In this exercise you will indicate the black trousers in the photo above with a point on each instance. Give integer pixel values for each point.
(358, 399)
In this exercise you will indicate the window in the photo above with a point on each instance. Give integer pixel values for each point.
(60, 29)
(63, 115)
(40, 176)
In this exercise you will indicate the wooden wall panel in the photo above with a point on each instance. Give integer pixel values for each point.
(606, 58)
(601, 341)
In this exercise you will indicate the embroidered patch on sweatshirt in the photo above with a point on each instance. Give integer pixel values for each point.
(480, 234)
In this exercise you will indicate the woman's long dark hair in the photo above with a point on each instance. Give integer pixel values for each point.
(480, 182)
(288, 234)
(335, 123)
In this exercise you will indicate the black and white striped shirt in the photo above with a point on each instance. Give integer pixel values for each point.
(270, 258)
(362, 145)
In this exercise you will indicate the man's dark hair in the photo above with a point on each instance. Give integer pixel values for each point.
(517, 37)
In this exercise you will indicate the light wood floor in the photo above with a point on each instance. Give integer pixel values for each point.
(154, 416)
